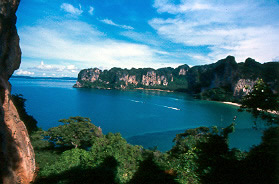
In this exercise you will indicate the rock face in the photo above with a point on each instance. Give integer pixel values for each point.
(122, 78)
(237, 78)
(90, 75)
(152, 79)
(16, 153)
(182, 71)
(243, 87)
(129, 79)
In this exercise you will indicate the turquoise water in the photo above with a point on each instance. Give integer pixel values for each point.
(148, 118)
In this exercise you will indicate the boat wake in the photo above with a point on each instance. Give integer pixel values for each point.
(173, 108)
(136, 101)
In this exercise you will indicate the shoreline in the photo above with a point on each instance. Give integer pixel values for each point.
(232, 103)
(163, 90)
(148, 89)
(238, 105)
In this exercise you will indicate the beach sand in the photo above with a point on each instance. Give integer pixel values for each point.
(238, 105)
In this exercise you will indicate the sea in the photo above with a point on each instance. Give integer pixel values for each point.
(143, 117)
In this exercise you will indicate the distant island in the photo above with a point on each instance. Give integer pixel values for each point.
(225, 80)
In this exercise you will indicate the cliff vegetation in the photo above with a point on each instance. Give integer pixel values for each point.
(225, 80)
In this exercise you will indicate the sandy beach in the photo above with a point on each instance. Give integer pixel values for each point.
(238, 105)
(232, 103)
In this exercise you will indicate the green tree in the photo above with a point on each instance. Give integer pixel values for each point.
(201, 154)
(76, 132)
(261, 102)
(262, 160)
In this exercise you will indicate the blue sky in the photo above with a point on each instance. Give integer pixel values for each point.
(60, 37)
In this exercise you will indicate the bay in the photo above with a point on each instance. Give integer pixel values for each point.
(143, 117)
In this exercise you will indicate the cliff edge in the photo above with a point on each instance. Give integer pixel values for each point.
(17, 157)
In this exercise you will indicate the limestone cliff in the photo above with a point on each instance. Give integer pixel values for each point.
(235, 78)
(16, 153)
(123, 79)
(126, 79)
(152, 79)
(243, 87)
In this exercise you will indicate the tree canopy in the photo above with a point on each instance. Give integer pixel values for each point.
(76, 132)
(262, 102)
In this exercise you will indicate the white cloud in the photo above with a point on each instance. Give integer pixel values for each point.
(110, 22)
(24, 72)
(71, 67)
(71, 9)
(80, 43)
(147, 37)
(107, 21)
(43, 66)
(229, 28)
(56, 68)
(190, 5)
(90, 11)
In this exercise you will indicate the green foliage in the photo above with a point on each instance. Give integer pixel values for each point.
(111, 145)
(179, 83)
(261, 101)
(199, 155)
(67, 160)
(262, 161)
(76, 132)
(217, 94)
(251, 69)
(226, 131)
(45, 154)
(127, 156)
(184, 165)
(29, 121)
(188, 140)
(198, 151)
(61, 165)
(95, 84)
(149, 172)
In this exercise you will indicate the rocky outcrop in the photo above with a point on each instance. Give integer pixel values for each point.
(151, 79)
(243, 87)
(234, 78)
(90, 75)
(182, 71)
(122, 78)
(129, 79)
(16, 153)
(223, 73)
